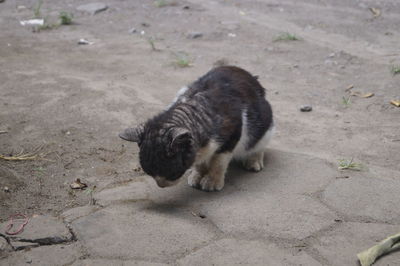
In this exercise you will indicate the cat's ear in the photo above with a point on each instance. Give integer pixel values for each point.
(132, 134)
(181, 140)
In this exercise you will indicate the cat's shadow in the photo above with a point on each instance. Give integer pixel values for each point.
(173, 200)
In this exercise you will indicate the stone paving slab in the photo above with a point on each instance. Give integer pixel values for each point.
(341, 245)
(44, 256)
(285, 173)
(78, 212)
(40, 230)
(263, 214)
(92, 8)
(365, 197)
(243, 252)
(142, 231)
(128, 193)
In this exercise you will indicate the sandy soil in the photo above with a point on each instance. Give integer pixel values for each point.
(74, 99)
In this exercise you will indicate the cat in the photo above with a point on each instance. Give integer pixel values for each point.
(222, 116)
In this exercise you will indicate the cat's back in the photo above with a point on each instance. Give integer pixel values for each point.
(227, 82)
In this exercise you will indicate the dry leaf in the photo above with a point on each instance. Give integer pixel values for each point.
(349, 87)
(375, 11)
(368, 95)
(78, 184)
(395, 102)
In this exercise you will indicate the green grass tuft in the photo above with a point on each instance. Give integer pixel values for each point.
(182, 60)
(286, 37)
(36, 9)
(152, 43)
(345, 164)
(346, 100)
(160, 3)
(65, 18)
(395, 70)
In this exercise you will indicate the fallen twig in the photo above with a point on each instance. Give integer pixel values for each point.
(35, 155)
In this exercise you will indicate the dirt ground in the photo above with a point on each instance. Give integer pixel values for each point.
(72, 100)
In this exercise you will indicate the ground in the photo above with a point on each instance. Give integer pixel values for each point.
(73, 100)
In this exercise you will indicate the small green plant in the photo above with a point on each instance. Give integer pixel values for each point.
(345, 164)
(39, 171)
(65, 18)
(395, 70)
(182, 60)
(346, 100)
(152, 43)
(164, 3)
(90, 192)
(160, 3)
(36, 9)
(286, 37)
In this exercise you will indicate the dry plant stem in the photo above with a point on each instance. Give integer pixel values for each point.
(35, 155)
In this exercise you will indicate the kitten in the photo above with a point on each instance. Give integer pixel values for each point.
(223, 115)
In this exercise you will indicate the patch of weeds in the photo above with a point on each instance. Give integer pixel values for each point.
(90, 192)
(36, 9)
(39, 171)
(164, 3)
(345, 164)
(287, 37)
(182, 60)
(65, 18)
(152, 43)
(346, 100)
(395, 70)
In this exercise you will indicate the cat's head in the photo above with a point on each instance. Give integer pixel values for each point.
(165, 153)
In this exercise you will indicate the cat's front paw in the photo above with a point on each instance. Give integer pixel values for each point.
(208, 183)
(194, 179)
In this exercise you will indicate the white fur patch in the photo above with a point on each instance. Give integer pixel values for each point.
(240, 150)
(180, 93)
(179, 97)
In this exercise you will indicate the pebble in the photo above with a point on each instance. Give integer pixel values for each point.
(92, 8)
(84, 42)
(33, 22)
(133, 30)
(306, 108)
(194, 35)
(6, 189)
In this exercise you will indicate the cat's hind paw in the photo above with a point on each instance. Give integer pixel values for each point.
(254, 162)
